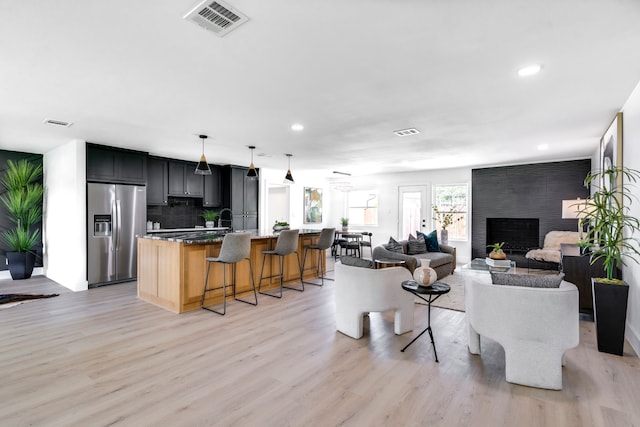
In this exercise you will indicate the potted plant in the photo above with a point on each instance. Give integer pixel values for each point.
(445, 219)
(22, 200)
(345, 223)
(610, 238)
(497, 252)
(210, 217)
(280, 225)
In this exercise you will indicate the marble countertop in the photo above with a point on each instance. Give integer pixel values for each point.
(200, 236)
(192, 229)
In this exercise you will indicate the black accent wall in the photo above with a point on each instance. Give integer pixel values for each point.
(5, 224)
(525, 191)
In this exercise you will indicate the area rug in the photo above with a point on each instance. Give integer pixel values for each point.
(11, 300)
(454, 299)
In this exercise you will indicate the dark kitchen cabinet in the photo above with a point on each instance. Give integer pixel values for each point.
(157, 181)
(213, 188)
(183, 182)
(108, 164)
(242, 198)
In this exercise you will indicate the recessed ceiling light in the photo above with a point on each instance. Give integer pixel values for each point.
(529, 70)
(297, 127)
(543, 147)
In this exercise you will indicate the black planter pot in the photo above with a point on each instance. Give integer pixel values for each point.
(21, 264)
(610, 315)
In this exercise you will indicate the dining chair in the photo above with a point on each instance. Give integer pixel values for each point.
(366, 242)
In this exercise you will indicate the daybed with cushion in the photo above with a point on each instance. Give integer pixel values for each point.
(534, 325)
(442, 258)
(363, 290)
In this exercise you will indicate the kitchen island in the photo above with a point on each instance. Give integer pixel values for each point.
(172, 267)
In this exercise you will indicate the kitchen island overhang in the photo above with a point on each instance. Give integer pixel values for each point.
(172, 268)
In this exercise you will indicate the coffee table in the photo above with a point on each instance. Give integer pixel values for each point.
(480, 264)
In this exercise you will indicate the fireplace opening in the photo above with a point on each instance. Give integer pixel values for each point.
(519, 234)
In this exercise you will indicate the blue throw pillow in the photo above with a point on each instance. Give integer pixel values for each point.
(432, 241)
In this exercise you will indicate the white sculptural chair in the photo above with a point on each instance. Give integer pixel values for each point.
(535, 326)
(363, 290)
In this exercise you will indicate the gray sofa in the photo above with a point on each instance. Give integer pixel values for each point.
(444, 263)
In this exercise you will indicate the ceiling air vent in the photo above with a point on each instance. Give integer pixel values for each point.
(216, 16)
(56, 123)
(406, 132)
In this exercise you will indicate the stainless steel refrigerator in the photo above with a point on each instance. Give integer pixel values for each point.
(117, 215)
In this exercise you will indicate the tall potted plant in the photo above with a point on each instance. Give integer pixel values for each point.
(610, 238)
(22, 199)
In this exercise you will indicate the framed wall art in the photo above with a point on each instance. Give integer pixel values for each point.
(312, 205)
(611, 148)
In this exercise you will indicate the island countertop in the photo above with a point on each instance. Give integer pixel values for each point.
(172, 267)
(208, 236)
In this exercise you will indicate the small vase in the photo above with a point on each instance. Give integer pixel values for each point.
(209, 224)
(496, 255)
(444, 237)
(345, 229)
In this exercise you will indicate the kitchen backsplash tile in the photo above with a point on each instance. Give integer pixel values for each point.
(180, 213)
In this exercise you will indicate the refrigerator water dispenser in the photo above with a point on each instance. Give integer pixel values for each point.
(101, 225)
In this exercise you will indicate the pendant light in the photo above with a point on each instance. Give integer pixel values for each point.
(288, 179)
(253, 173)
(203, 167)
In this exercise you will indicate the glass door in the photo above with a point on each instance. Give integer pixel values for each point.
(413, 210)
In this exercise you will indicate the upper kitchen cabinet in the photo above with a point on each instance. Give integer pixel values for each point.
(242, 197)
(108, 164)
(157, 181)
(183, 182)
(213, 188)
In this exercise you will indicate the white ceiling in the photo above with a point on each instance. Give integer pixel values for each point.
(135, 74)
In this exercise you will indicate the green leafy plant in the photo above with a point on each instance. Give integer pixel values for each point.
(344, 222)
(282, 223)
(497, 247)
(446, 218)
(611, 228)
(209, 215)
(23, 201)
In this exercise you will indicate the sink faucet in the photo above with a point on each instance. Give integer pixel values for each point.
(220, 216)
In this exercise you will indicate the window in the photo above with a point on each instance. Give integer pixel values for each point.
(363, 207)
(450, 204)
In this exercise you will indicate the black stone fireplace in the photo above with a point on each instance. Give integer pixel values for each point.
(519, 234)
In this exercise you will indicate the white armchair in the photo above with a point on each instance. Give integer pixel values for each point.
(535, 326)
(362, 290)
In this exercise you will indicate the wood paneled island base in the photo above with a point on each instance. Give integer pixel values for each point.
(171, 273)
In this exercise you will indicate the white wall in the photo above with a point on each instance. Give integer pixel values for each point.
(64, 219)
(388, 209)
(631, 159)
(271, 177)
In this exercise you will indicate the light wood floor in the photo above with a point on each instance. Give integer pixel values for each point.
(103, 357)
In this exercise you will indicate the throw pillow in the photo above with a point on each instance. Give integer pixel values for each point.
(432, 241)
(356, 262)
(416, 245)
(528, 280)
(394, 246)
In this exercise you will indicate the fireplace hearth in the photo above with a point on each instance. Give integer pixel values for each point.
(519, 234)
